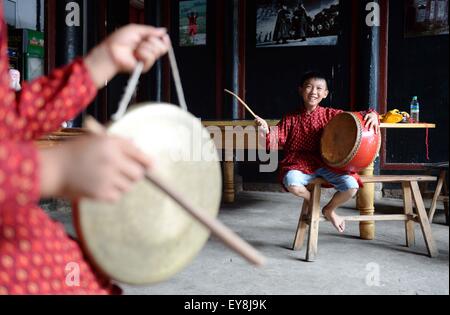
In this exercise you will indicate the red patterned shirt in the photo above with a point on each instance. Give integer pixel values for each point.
(36, 255)
(299, 134)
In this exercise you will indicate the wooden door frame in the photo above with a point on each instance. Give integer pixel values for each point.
(50, 35)
(383, 90)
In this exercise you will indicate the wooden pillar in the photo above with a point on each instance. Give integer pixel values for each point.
(365, 204)
(69, 31)
(228, 175)
(69, 35)
(370, 15)
(228, 167)
(50, 36)
(38, 16)
(117, 15)
(166, 71)
(369, 57)
(151, 82)
(96, 26)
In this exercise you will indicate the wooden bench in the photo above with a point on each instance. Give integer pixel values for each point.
(410, 192)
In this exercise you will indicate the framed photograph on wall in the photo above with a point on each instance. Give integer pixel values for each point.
(426, 17)
(193, 23)
(286, 23)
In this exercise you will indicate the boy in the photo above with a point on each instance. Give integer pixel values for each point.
(36, 255)
(300, 135)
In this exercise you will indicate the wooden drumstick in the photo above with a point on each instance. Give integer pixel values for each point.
(246, 106)
(243, 103)
(227, 236)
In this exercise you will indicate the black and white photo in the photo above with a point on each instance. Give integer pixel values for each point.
(297, 23)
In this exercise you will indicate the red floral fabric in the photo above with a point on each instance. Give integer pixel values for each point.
(36, 255)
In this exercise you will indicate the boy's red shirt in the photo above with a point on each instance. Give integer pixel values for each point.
(300, 134)
(36, 255)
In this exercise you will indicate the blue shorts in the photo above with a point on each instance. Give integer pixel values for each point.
(340, 182)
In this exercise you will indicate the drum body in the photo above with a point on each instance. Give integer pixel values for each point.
(348, 146)
(147, 237)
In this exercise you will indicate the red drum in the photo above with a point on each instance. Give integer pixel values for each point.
(347, 145)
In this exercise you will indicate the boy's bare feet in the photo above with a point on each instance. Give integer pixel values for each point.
(337, 221)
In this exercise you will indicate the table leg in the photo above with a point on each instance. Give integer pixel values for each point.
(365, 203)
(228, 174)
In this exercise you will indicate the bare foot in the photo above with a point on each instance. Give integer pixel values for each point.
(337, 221)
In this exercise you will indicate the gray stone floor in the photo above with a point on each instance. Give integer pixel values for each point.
(345, 265)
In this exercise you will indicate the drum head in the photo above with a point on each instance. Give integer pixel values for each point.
(340, 140)
(147, 237)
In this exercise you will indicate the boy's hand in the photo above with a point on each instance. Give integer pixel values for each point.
(262, 123)
(371, 122)
(122, 50)
(102, 168)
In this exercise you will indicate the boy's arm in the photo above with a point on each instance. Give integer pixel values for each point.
(277, 136)
(19, 175)
(372, 120)
(45, 103)
(71, 170)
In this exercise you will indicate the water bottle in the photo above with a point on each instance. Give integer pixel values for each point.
(415, 109)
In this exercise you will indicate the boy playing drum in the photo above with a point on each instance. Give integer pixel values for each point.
(300, 133)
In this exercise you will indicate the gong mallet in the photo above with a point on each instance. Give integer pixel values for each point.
(218, 229)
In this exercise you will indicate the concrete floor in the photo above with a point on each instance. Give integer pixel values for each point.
(345, 265)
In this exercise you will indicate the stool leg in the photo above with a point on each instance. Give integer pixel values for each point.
(409, 225)
(439, 186)
(424, 222)
(301, 229)
(314, 208)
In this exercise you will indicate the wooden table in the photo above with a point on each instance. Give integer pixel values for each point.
(59, 137)
(366, 195)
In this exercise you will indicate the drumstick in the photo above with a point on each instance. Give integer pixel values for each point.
(246, 106)
(227, 236)
(243, 103)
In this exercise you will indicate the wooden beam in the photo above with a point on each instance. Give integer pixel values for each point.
(220, 38)
(363, 218)
(102, 33)
(166, 72)
(396, 179)
(50, 35)
(354, 54)
(242, 53)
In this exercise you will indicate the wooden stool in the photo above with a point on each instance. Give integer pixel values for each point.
(410, 191)
(442, 187)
